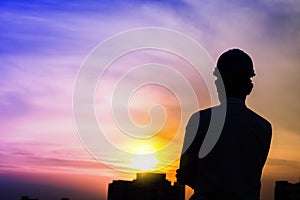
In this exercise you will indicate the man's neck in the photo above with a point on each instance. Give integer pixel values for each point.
(233, 99)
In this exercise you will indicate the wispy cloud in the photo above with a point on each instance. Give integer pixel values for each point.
(37, 163)
(283, 162)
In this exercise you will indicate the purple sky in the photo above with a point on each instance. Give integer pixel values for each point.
(44, 44)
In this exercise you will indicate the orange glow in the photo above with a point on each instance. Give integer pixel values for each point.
(145, 159)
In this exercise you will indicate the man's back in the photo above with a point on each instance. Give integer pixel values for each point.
(234, 165)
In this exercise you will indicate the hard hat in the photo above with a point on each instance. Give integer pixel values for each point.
(234, 63)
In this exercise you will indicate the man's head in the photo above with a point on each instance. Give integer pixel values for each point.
(235, 69)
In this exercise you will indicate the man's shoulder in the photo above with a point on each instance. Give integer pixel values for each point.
(258, 119)
(207, 110)
(257, 116)
(204, 112)
(203, 116)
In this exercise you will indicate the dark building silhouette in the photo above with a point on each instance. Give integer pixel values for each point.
(287, 191)
(147, 186)
(27, 198)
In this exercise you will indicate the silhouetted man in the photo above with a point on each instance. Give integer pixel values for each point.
(232, 169)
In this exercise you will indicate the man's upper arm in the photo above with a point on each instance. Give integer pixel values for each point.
(190, 133)
(268, 138)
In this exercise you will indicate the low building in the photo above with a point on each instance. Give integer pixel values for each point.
(287, 191)
(27, 198)
(147, 186)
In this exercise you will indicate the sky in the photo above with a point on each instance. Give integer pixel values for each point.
(45, 45)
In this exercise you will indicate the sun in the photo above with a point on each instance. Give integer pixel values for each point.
(144, 162)
(145, 159)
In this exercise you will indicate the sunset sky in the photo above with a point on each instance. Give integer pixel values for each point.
(44, 44)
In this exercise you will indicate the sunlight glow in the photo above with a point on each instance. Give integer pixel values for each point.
(145, 159)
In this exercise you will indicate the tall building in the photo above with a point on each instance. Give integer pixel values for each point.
(147, 186)
(287, 191)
